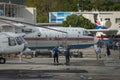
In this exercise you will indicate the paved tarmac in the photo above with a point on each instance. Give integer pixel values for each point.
(86, 68)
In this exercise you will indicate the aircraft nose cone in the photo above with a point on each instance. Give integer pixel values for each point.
(25, 46)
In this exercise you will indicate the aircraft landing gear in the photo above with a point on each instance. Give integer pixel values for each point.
(2, 60)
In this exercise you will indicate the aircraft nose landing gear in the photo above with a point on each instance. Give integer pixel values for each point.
(2, 60)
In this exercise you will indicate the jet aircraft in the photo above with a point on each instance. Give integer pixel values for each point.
(42, 38)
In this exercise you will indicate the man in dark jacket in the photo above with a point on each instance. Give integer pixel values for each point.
(107, 50)
(67, 55)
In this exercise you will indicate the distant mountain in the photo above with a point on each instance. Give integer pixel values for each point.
(21, 2)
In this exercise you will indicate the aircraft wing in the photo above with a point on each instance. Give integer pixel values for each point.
(106, 31)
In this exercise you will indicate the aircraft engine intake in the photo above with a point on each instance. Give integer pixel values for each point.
(106, 24)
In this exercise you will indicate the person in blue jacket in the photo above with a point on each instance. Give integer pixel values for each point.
(56, 55)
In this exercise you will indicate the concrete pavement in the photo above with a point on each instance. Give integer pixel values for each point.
(86, 68)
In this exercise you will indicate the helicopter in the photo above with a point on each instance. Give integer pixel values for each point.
(11, 43)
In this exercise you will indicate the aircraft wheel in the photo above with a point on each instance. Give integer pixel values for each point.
(2, 60)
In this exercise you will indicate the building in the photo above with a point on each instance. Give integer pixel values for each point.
(18, 12)
(19, 2)
(58, 17)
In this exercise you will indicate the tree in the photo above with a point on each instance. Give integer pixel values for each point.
(77, 21)
(45, 6)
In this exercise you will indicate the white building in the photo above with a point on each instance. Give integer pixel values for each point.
(18, 12)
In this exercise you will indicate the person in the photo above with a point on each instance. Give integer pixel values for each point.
(107, 51)
(114, 45)
(117, 45)
(97, 51)
(67, 55)
(56, 53)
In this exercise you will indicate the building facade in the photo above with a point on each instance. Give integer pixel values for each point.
(58, 17)
(20, 2)
(18, 12)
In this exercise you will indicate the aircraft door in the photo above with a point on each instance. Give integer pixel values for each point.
(64, 39)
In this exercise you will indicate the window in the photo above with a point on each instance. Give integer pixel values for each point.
(85, 33)
(11, 41)
(60, 14)
(19, 40)
(117, 20)
(108, 19)
(79, 32)
(27, 30)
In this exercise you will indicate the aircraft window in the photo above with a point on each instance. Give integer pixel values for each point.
(90, 34)
(46, 36)
(19, 40)
(117, 20)
(11, 41)
(22, 39)
(27, 30)
(108, 19)
(85, 33)
(79, 32)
